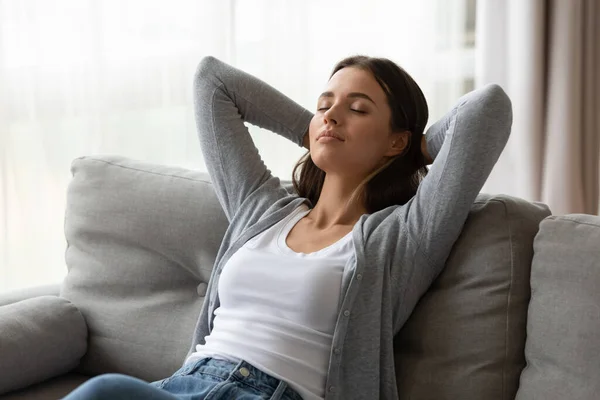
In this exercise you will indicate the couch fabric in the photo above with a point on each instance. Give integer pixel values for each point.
(466, 334)
(563, 326)
(142, 239)
(16, 295)
(40, 338)
(51, 389)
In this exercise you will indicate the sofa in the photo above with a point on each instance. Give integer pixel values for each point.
(515, 314)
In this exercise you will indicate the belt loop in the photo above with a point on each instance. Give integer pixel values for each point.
(278, 393)
(236, 368)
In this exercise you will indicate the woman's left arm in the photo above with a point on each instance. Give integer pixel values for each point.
(464, 146)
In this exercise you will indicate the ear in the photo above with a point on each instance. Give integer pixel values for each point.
(398, 142)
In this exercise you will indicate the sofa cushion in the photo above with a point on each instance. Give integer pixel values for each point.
(54, 388)
(142, 239)
(40, 338)
(466, 336)
(563, 326)
(16, 295)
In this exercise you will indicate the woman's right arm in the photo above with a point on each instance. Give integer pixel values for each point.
(224, 98)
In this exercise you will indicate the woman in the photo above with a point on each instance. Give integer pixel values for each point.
(311, 285)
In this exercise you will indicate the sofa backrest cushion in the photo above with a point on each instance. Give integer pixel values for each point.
(142, 239)
(465, 338)
(563, 326)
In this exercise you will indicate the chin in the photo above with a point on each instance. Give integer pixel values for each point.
(328, 164)
(322, 164)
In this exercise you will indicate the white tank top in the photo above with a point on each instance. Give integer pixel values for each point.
(278, 307)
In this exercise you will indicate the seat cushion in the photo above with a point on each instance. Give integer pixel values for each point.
(563, 326)
(55, 388)
(466, 336)
(142, 240)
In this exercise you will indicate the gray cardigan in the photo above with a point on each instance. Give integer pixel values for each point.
(399, 250)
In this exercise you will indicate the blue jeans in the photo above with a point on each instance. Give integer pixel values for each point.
(204, 379)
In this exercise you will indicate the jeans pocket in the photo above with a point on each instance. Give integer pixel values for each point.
(190, 368)
(187, 369)
(157, 383)
(161, 383)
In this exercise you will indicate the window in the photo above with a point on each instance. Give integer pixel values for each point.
(114, 77)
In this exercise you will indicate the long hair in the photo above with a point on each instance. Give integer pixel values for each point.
(395, 182)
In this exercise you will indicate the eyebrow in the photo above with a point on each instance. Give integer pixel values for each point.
(351, 94)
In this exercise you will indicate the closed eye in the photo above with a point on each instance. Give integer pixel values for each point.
(356, 111)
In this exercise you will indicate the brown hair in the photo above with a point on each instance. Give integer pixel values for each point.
(395, 182)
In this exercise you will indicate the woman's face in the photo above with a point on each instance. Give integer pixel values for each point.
(354, 107)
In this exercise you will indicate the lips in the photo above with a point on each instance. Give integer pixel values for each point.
(331, 134)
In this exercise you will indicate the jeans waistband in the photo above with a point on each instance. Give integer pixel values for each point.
(243, 372)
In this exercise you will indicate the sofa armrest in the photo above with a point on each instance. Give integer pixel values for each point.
(14, 296)
(40, 338)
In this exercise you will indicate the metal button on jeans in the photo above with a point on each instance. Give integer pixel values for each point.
(244, 371)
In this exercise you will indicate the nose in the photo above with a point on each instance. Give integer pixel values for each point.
(328, 117)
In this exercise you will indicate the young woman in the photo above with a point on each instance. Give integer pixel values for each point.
(311, 284)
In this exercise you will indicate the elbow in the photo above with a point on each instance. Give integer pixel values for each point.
(206, 70)
(497, 97)
(492, 104)
(497, 104)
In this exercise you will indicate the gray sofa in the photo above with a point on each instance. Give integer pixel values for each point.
(515, 313)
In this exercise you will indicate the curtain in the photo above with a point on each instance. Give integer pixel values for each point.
(84, 77)
(546, 54)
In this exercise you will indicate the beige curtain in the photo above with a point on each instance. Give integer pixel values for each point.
(546, 54)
